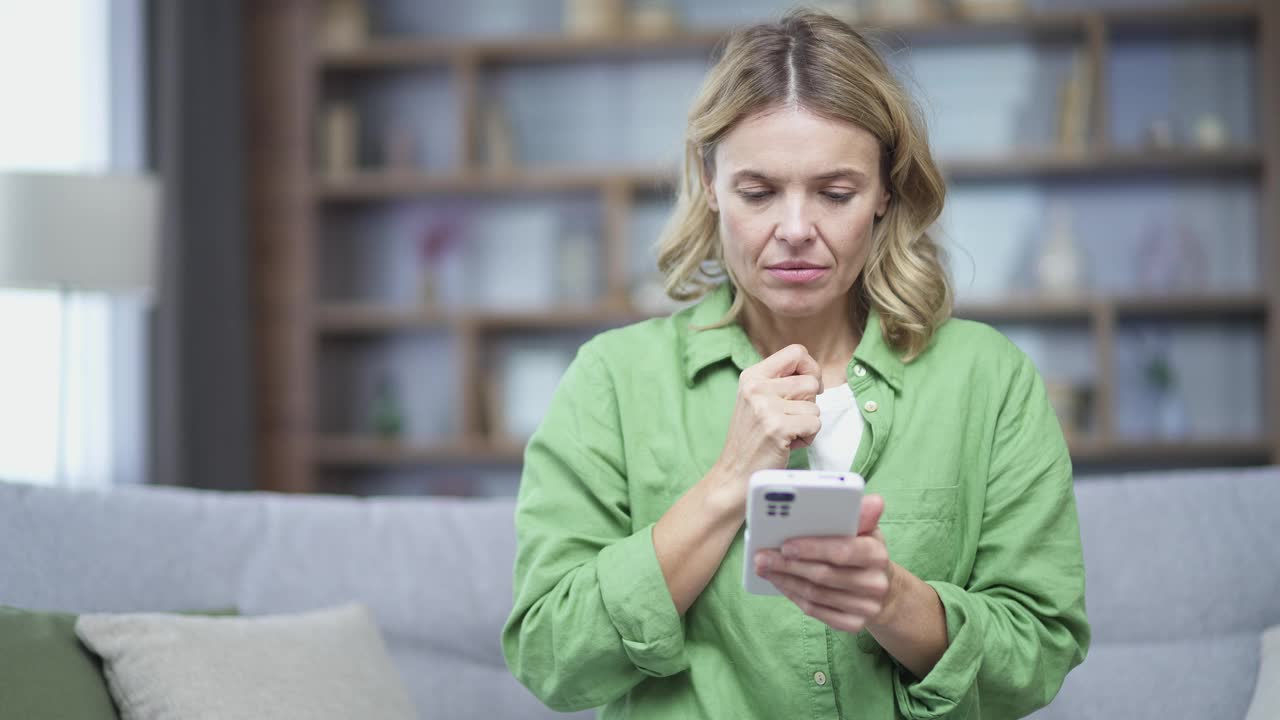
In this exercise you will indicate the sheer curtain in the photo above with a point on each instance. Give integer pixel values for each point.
(82, 112)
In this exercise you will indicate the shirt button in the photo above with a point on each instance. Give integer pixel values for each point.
(871, 406)
(820, 678)
(859, 370)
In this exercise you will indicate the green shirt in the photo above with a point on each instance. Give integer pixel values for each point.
(961, 443)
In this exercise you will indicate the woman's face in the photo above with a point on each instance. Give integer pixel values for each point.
(796, 196)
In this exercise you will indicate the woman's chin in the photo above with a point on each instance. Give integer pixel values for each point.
(796, 302)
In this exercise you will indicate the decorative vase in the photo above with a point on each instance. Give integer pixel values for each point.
(1059, 267)
(653, 18)
(903, 10)
(1170, 257)
(1210, 132)
(990, 10)
(439, 237)
(1074, 104)
(344, 24)
(594, 18)
(1168, 414)
(340, 128)
(388, 418)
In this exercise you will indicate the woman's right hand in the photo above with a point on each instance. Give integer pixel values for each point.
(776, 412)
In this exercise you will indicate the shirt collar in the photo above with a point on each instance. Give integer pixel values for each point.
(703, 348)
(876, 353)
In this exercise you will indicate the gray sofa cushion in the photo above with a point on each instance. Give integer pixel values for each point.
(1202, 678)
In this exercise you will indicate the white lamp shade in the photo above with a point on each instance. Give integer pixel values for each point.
(81, 232)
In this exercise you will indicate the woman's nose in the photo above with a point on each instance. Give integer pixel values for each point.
(796, 225)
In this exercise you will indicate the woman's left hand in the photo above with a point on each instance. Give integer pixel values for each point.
(846, 582)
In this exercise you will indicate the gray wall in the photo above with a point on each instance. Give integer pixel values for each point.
(202, 361)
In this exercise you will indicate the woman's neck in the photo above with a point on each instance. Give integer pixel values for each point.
(830, 336)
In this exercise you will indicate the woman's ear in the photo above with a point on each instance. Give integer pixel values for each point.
(883, 207)
(706, 175)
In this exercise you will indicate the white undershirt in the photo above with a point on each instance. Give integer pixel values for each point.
(837, 441)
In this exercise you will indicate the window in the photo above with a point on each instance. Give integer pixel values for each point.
(80, 113)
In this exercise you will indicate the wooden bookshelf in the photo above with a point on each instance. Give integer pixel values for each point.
(289, 201)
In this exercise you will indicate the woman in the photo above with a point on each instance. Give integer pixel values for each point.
(809, 186)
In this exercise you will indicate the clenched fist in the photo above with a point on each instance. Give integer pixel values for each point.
(776, 412)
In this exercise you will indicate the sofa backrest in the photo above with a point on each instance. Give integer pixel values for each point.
(1181, 554)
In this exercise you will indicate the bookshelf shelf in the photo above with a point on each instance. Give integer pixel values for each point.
(387, 186)
(357, 319)
(1173, 452)
(371, 186)
(349, 319)
(331, 450)
(351, 451)
(396, 54)
(1034, 164)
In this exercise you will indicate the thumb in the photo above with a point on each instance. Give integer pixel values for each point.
(869, 518)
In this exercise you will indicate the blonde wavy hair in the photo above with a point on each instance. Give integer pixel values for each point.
(828, 68)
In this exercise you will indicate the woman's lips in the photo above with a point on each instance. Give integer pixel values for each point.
(797, 275)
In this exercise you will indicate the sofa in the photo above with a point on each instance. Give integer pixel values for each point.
(1183, 574)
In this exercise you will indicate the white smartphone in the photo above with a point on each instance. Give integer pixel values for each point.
(784, 504)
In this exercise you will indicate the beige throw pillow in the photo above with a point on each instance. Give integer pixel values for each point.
(317, 665)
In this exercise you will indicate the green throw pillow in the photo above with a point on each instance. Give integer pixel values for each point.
(45, 672)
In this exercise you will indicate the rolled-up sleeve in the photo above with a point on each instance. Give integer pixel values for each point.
(592, 614)
(1017, 626)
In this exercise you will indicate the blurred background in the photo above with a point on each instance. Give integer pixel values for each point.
(350, 246)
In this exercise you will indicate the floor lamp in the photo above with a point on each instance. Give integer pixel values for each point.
(77, 232)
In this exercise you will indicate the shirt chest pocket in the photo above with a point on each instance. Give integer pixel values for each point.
(921, 528)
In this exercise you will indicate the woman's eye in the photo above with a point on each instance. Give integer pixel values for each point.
(759, 195)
